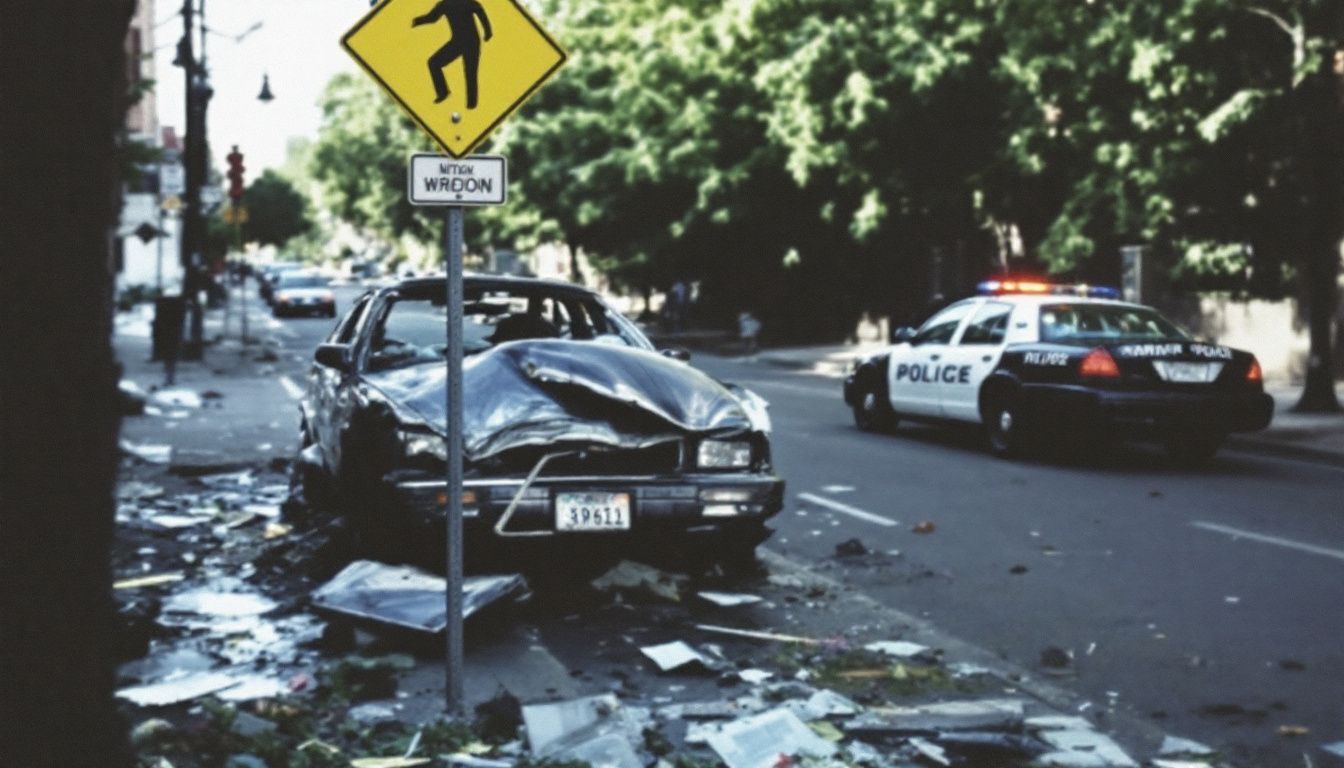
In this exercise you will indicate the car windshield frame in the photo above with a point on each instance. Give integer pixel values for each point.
(1096, 323)
(291, 281)
(486, 305)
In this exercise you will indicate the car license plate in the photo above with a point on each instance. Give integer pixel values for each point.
(592, 512)
(1188, 373)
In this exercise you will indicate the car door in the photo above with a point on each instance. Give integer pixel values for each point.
(913, 372)
(325, 385)
(971, 357)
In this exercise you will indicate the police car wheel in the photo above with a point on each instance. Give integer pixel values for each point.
(871, 414)
(1008, 435)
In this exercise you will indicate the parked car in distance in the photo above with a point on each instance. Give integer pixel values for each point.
(268, 275)
(302, 293)
(1041, 365)
(575, 429)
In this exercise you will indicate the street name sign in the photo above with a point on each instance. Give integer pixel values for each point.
(438, 180)
(457, 67)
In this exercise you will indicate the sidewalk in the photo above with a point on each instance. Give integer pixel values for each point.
(1311, 436)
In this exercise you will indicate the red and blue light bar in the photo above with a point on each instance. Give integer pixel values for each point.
(1029, 286)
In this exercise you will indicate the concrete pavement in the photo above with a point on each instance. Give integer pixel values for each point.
(1311, 436)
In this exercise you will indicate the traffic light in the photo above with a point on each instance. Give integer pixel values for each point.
(235, 174)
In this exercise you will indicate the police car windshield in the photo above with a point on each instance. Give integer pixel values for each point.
(1088, 324)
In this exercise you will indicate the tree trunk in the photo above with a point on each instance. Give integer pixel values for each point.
(1324, 102)
(65, 90)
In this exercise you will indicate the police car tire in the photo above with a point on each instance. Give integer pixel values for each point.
(1008, 437)
(871, 414)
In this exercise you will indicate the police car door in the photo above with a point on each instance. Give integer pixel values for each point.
(972, 358)
(912, 375)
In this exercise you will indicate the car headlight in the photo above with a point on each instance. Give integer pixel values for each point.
(423, 443)
(723, 454)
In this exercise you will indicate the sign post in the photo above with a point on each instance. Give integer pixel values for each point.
(458, 68)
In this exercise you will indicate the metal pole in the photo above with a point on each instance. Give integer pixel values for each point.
(158, 259)
(453, 271)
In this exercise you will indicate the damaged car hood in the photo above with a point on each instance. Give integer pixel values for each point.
(543, 392)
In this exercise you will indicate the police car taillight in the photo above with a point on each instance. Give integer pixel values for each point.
(1099, 364)
(1254, 373)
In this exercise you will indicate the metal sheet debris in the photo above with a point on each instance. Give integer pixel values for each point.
(761, 740)
(1086, 742)
(154, 454)
(984, 714)
(931, 751)
(729, 599)
(546, 723)
(408, 597)
(822, 704)
(175, 689)
(1175, 745)
(674, 655)
(898, 648)
(1058, 723)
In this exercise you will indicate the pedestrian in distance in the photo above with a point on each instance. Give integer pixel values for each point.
(748, 328)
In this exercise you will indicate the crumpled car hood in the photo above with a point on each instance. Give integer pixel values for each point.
(549, 392)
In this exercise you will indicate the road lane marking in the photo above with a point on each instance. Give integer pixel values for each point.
(798, 388)
(845, 509)
(1266, 539)
(292, 389)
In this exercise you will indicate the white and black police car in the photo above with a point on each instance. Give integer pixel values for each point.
(1041, 364)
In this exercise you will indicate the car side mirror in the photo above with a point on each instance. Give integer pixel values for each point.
(333, 356)
(677, 353)
(903, 334)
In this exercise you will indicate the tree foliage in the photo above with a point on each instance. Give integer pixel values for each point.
(276, 211)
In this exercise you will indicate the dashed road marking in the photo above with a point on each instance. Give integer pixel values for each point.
(1267, 539)
(845, 509)
(292, 389)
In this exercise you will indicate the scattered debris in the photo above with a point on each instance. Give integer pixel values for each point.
(757, 635)
(1336, 748)
(628, 576)
(1174, 746)
(924, 526)
(851, 548)
(597, 730)
(1293, 730)
(389, 762)
(1055, 659)
(1018, 570)
(901, 649)
(152, 453)
(218, 604)
(754, 676)
(408, 597)
(1058, 723)
(729, 599)
(823, 704)
(674, 655)
(986, 714)
(183, 687)
(761, 740)
(931, 751)
(177, 398)
(137, 491)
(1075, 745)
(148, 581)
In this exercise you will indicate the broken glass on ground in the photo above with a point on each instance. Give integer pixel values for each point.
(408, 597)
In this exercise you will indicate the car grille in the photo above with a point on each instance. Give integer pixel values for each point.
(664, 458)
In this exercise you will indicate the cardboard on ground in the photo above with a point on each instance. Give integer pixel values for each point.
(513, 63)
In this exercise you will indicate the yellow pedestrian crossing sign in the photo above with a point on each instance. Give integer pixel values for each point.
(457, 67)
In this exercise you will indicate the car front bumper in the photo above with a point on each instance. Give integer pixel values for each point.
(1146, 413)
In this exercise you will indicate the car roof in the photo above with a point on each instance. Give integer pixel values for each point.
(1037, 299)
(494, 282)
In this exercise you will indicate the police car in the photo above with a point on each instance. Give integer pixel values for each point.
(1040, 364)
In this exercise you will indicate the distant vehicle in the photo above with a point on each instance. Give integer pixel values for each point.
(302, 293)
(1041, 365)
(270, 273)
(575, 429)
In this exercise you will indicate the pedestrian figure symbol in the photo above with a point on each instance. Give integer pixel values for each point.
(464, 44)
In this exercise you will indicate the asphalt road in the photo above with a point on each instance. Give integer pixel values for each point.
(1209, 601)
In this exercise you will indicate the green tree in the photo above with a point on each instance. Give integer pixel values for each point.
(276, 211)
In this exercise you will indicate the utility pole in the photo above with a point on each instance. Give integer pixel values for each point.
(193, 160)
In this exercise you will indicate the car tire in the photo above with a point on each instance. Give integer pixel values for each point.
(1193, 449)
(1009, 434)
(331, 311)
(871, 411)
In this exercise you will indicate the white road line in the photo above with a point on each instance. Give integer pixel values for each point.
(292, 389)
(802, 389)
(845, 509)
(1265, 539)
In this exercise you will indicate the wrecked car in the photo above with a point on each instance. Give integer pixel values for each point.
(574, 428)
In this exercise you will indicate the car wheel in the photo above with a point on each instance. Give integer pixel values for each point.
(310, 488)
(1009, 435)
(871, 412)
(1194, 449)
(331, 311)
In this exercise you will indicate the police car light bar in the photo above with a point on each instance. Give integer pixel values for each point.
(1039, 287)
